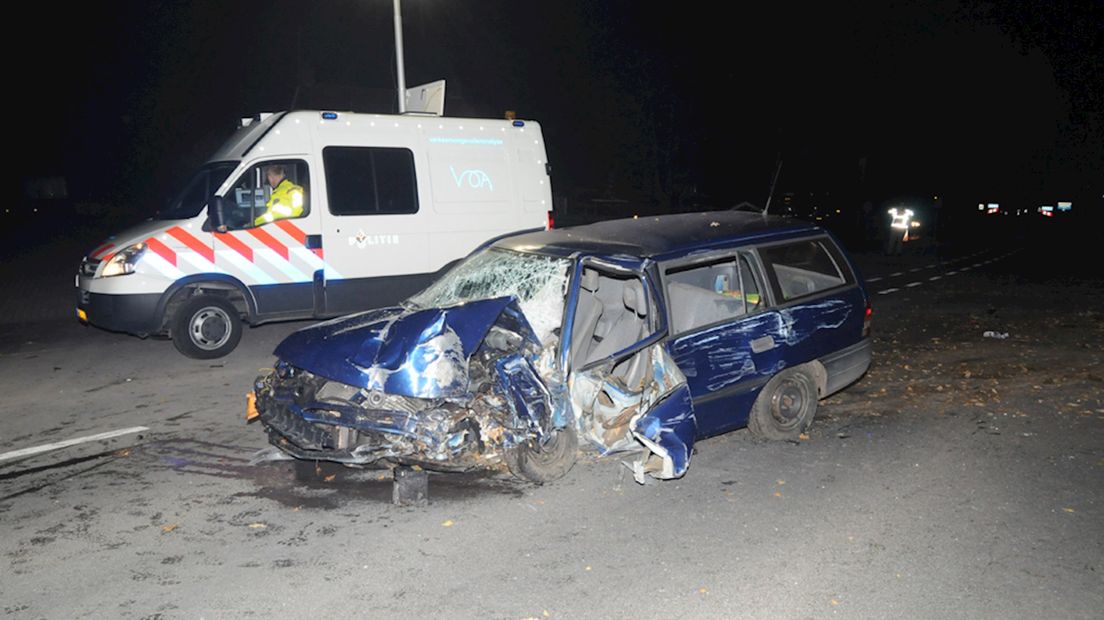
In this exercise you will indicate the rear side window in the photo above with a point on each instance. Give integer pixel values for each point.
(713, 292)
(370, 180)
(804, 268)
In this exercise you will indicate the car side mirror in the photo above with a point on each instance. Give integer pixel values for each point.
(215, 214)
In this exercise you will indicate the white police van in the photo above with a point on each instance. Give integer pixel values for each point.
(388, 201)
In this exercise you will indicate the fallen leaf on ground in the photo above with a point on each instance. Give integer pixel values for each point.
(168, 528)
(257, 526)
(1069, 510)
(448, 523)
(330, 477)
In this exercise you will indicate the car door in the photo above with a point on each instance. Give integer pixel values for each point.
(625, 390)
(726, 337)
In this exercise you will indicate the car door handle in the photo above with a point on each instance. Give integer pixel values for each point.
(314, 242)
(759, 345)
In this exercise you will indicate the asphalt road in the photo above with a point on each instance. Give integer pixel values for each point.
(963, 477)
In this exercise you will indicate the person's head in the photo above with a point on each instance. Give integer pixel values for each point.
(275, 173)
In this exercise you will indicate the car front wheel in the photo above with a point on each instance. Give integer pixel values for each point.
(545, 462)
(786, 406)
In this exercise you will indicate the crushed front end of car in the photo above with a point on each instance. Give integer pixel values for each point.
(447, 389)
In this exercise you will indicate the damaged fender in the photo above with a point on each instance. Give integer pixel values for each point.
(668, 430)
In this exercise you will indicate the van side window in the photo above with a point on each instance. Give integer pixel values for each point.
(803, 268)
(709, 293)
(370, 180)
(269, 191)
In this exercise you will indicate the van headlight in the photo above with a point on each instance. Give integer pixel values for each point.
(123, 261)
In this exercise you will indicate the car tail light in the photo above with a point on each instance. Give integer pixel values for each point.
(551, 221)
(866, 320)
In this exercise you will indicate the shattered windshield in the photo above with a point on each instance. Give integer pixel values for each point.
(538, 282)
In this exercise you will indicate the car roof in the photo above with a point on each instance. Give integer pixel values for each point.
(658, 237)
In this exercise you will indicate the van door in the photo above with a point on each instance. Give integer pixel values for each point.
(374, 227)
(269, 217)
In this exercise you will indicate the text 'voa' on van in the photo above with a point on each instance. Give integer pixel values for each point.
(316, 214)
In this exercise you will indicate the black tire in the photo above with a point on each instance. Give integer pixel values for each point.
(786, 406)
(546, 463)
(205, 327)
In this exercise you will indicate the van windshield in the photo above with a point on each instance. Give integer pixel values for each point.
(197, 192)
(537, 282)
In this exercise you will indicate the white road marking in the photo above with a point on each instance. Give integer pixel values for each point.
(888, 291)
(15, 454)
(899, 273)
(915, 269)
(873, 279)
(934, 278)
(912, 284)
(950, 273)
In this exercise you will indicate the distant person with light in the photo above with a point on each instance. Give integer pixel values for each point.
(900, 220)
(286, 200)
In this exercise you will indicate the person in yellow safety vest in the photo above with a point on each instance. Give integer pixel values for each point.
(286, 200)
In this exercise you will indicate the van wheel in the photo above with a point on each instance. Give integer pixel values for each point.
(786, 406)
(205, 327)
(544, 463)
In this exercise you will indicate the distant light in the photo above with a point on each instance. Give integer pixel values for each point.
(519, 123)
(1065, 206)
(329, 116)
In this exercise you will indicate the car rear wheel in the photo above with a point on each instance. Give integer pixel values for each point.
(205, 327)
(786, 406)
(544, 463)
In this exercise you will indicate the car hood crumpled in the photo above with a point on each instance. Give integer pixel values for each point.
(421, 353)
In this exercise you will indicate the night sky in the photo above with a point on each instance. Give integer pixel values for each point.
(647, 100)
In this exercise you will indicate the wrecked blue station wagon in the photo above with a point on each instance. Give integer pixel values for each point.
(636, 337)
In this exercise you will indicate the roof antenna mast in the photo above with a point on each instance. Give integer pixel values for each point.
(777, 171)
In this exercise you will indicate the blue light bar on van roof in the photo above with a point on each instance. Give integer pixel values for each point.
(329, 116)
(519, 123)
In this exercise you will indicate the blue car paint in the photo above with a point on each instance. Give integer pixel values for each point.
(409, 352)
(526, 394)
(671, 426)
(725, 375)
(719, 365)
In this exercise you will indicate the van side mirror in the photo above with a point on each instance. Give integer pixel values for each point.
(215, 214)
